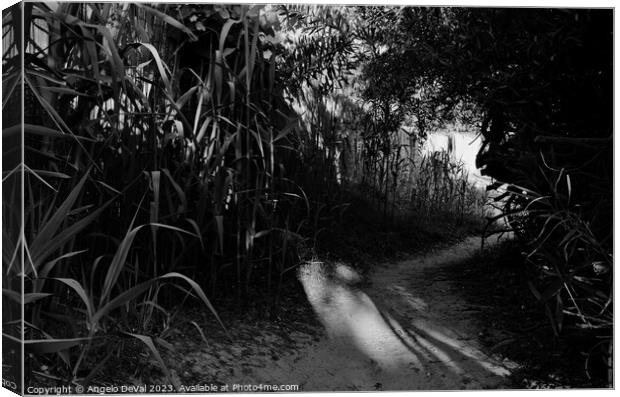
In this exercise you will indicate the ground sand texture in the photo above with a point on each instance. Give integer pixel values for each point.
(406, 328)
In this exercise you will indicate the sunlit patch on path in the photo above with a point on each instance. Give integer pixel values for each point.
(404, 332)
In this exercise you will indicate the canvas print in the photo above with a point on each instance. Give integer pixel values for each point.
(210, 198)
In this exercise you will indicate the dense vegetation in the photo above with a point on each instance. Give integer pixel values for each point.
(542, 81)
(179, 153)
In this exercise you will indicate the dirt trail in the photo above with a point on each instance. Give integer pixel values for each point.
(407, 331)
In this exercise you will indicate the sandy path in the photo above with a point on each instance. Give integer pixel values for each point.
(407, 331)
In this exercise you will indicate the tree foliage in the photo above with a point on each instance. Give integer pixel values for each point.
(541, 80)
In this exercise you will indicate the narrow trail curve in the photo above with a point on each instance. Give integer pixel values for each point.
(408, 330)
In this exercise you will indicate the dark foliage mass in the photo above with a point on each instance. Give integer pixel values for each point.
(542, 81)
(198, 153)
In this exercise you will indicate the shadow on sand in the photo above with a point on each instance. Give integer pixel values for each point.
(408, 345)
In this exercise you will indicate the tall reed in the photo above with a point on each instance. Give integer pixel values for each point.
(142, 163)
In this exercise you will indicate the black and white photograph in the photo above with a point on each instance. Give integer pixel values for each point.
(207, 197)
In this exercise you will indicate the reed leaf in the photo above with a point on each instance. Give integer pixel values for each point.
(148, 342)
